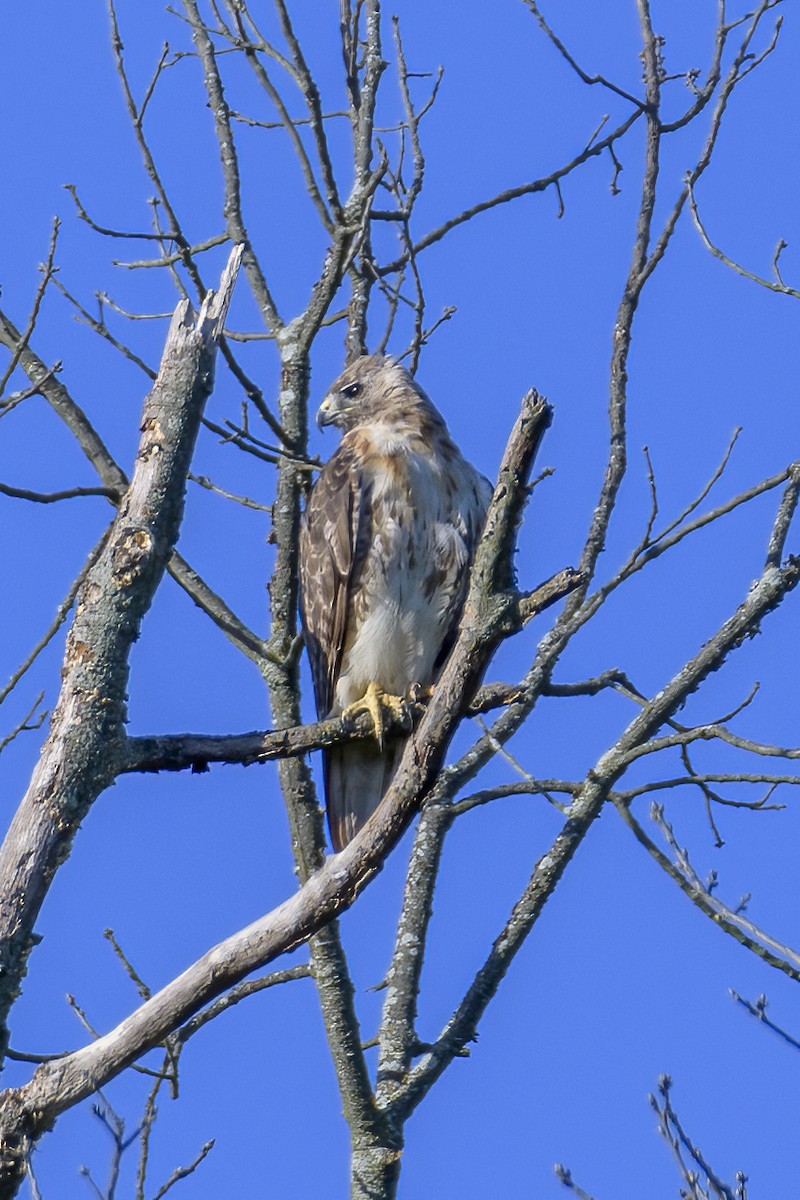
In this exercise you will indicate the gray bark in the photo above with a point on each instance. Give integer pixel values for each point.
(85, 748)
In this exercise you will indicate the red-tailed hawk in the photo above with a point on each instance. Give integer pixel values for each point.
(385, 549)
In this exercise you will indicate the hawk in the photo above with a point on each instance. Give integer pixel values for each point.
(386, 544)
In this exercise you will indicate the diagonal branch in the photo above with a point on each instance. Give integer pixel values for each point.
(48, 270)
(623, 330)
(82, 753)
(582, 75)
(59, 399)
(61, 615)
(776, 285)
(762, 944)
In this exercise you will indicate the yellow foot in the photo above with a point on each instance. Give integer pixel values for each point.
(378, 704)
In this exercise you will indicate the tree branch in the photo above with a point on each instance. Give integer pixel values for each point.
(82, 752)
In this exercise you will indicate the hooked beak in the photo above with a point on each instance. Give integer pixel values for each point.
(326, 413)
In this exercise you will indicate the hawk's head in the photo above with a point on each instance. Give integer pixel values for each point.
(372, 388)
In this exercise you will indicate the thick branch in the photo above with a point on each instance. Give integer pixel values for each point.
(82, 752)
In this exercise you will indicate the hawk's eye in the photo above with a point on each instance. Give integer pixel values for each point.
(351, 390)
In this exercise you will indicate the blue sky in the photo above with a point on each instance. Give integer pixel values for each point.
(623, 978)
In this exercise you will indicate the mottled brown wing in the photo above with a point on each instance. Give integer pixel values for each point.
(471, 507)
(329, 558)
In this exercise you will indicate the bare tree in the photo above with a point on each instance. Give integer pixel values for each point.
(368, 282)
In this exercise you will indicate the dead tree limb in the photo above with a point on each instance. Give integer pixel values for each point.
(83, 750)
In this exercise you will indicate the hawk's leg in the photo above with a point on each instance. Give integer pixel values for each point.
(378, 704)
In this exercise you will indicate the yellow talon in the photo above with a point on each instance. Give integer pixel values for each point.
(377, 703)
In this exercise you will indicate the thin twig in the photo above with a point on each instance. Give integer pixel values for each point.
(774, 953)
(26, 725)
(183, 1172)
(759, 1011)
(204, 482)
(54, 497)
(62, 613)
(48, 275)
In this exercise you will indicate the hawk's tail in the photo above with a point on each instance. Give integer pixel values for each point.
(356, 777)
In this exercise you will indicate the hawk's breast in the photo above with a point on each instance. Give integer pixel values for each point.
(410, 578)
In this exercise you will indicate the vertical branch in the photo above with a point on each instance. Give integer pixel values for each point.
(397, 1034)
(369, 1133)
(407, 196)
(623, 328)
(312, 99)
(175, 233)
(263, 77)
(646, 260)
(362, 118)
(232, 208)
(348, 28)
(48, 270)
(743, 63)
